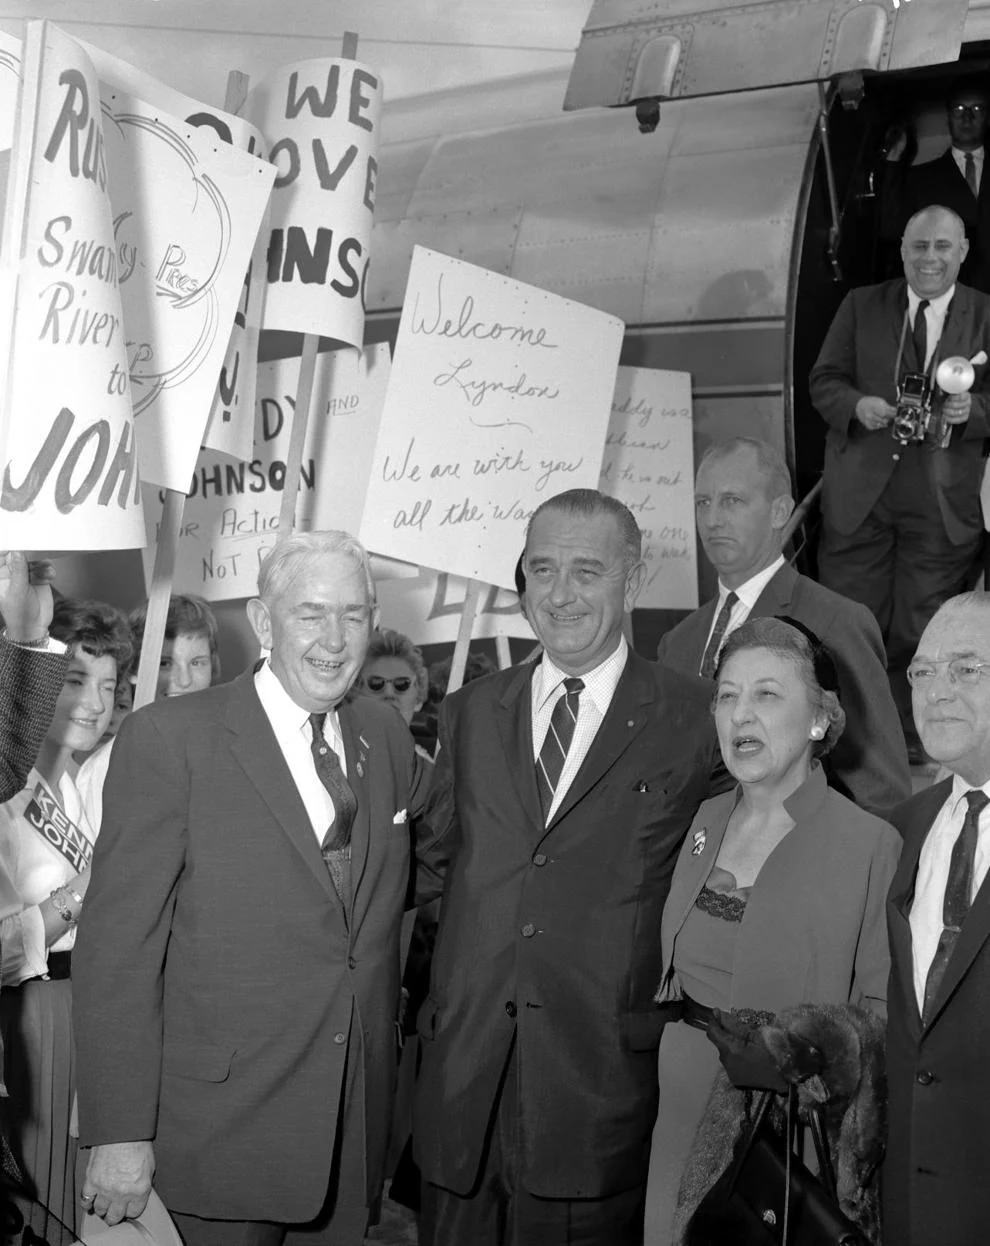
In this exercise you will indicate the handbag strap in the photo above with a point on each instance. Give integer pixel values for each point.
(826, 1172)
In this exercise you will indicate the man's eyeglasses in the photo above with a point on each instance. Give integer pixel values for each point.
(960, 110)
(966, 671)
(401, 683)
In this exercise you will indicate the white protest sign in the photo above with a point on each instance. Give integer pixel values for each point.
(499, 398)
(649, 464)
(70, 478)
(187, 208)
(230, 428)
(231, 513)
(321, 119)
(429, 605)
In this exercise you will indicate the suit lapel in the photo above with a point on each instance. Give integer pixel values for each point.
(775, 600)
(257, 750)
(627, 716)
(514, 723)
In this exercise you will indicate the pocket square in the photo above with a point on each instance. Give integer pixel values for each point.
(400, 817)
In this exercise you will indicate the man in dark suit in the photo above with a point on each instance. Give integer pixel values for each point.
(565, 787)
(236, 976)
(955, 180)
(935, 1188)
(32, 666)
(742, 503)
(902, 526)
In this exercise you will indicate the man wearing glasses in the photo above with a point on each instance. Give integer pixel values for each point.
(938, 914)
(956, 180)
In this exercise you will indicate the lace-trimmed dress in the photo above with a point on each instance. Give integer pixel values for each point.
(688, 1061)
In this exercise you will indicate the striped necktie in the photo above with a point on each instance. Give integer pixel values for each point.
(708, 662)
(550, 762)
(958, 887)
(336, 845)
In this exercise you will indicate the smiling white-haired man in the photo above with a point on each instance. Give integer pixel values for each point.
(935, 1189)
(236, 976)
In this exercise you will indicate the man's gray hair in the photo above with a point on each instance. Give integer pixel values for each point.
(976, 600)
(287, 557)
(772, 465)
(591, 502)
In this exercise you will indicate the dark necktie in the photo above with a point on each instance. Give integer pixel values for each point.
(921, 334)
(336, 844)
(971, 174)
(718, 633)
(550, 762)
(958, 887)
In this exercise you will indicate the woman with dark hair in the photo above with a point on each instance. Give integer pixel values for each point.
(46, 844)
(189, 662)
(778, 895)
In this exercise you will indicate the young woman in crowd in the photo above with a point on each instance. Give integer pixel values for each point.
(46, 843)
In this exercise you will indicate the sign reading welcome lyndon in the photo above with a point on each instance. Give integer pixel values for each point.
(499, 398)
(68, 459)
(321, 120)
(649, 464)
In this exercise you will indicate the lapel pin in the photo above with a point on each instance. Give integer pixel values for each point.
(642, 786)
(364, 741)
(360, 770)
(630, 722)
(700, 839)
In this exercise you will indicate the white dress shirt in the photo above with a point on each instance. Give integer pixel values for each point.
(295, 737)
(934, 318)
(960, 158)
(933, 873)
(593, 703)
(747, 596)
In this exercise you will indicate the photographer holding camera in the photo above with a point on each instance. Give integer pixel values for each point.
(902, 527)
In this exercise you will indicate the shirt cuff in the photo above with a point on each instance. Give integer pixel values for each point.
(24, 952)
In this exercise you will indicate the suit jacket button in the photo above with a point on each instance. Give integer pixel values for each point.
(925, 1077)
(528, 930)
(510, 1009)
(340, 1038)
(540, 858)
(896, 458)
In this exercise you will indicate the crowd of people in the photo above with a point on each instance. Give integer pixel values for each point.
(657, 880)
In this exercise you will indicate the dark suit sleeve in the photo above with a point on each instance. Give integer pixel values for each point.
(436, 827)
(118, 961)
(977, 427)
(832, 379)
(30, 681)
(869, 762)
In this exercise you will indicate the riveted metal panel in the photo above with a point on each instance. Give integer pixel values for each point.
(742, 45)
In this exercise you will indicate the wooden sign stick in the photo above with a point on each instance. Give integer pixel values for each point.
(502, 652)
(304, 390)
(459, 661)
(163, 575)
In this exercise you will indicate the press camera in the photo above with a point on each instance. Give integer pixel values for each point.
(918, 414)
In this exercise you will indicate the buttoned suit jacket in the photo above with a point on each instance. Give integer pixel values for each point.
(549, 934)
(216, 978)
(869, 762)
(30, 681)
(859, 358)
(934, 1184)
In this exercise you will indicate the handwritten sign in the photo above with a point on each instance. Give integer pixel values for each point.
(322, 118)
(187, 208)
(231, 514)
(499, 398)
(428, 606)
(649, 465)
(230, 428)
(69, 460)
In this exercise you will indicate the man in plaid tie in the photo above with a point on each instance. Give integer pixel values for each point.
(566, 786)
(938, 1035)
(237, 968)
